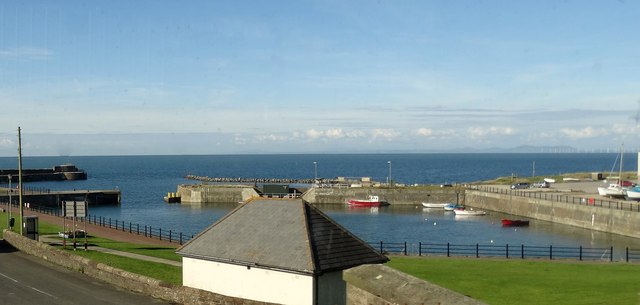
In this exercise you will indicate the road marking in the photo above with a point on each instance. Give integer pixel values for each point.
(4, 275)
(38, 290)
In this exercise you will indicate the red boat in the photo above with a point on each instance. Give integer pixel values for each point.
(514, 223)
(371, 201)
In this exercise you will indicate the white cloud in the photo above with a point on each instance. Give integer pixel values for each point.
(4, 143)
(585, 133)
(387, 134)
(26, 53)
(425, 132)
(482, 132)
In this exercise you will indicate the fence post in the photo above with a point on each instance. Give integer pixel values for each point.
(405, 248)
(507, 250)
(611, 254)
(145, 230)
(109, 222)
(580, 252)
(522, 250)
(181, 238)
(477, 251)
(123, 228)
(420, 248)
(550, 252)
(448, 250)
(129, 226)
(381, 247)
(627, 254)
(169, 235)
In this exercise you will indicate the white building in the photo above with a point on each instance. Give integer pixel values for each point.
(278, 251)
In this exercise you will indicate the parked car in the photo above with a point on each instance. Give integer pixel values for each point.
(520, 185)
(541, 184)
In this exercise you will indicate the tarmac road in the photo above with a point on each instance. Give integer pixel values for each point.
(27, 280)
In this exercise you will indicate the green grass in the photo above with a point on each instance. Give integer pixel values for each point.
(526, 282)
(155, 251)
(163, 272)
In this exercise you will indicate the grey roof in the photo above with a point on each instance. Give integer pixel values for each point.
(281, 234)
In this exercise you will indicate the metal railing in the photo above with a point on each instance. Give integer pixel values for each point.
(586, 200)
(550, 252)
(120, 225)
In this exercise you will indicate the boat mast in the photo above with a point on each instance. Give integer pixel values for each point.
(621, 156)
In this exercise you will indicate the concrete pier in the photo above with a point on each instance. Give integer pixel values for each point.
(54, 198)
(56, 173)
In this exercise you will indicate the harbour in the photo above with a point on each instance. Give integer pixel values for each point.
(144, 180)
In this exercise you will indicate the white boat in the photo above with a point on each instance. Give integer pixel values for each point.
(549, 180)
(434, 205)
(469, 212)
(613, 191)
(634, 193)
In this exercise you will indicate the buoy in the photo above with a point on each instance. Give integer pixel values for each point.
(434, 223)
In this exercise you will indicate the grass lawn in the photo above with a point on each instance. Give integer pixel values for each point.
(528, 282)
(164, 272)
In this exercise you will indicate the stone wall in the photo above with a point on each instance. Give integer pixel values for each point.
(396, 196)
(381, 285)
(603, 219)
(203, 193)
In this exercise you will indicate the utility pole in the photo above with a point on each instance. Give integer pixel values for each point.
(20, 179)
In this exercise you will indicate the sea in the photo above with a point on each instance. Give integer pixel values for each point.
(145, 180)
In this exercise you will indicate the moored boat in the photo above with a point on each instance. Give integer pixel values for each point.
(434, 205)
(453, 206)
(514, 223)
(465, 212)
(371, 201)
(633, 193)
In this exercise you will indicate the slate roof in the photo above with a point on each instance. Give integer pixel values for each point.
(288, 235)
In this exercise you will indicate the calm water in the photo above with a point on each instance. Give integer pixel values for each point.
(144, 180)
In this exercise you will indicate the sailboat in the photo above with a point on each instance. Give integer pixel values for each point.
(615, 190)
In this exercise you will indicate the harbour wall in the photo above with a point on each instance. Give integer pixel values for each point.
(617, 221)
(53, 199)
(395, 196)
(203, 193)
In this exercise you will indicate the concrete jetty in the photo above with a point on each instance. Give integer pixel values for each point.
(56, 173)
(48, 198)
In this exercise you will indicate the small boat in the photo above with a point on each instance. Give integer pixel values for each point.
(613, 191)
(549, 180)
(514, 223)
(371, 201)
(634, 193)
(453, 206)
(464, 212)
(434, 205)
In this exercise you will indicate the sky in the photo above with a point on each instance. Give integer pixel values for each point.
(235, 77)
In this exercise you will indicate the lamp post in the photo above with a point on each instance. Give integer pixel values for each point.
(315, 170)
(9, 205)
(389, 177)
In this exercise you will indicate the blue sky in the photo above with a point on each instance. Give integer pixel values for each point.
(225, 77)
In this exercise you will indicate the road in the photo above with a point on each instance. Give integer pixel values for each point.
(27, 280)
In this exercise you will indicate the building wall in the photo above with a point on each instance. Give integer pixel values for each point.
(332, 289)
(248, 283)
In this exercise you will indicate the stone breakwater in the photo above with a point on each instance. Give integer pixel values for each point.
(251, 180)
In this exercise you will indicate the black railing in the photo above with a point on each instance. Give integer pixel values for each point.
(507, 251)
(585, 200)
(120, 225)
